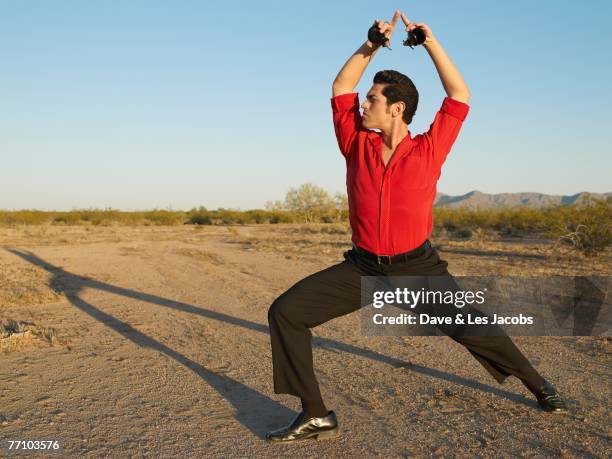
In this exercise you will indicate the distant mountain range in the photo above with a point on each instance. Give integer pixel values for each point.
(475, 199)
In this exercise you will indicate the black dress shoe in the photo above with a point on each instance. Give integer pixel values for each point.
(304, 427)
(549, 399)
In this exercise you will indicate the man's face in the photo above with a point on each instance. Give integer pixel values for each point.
(376, 113)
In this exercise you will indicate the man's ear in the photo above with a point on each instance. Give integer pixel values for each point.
(398, 108)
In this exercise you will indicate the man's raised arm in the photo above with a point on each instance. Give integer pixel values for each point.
(347, 79)
(453, 82)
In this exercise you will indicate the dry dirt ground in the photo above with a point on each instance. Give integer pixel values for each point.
(154, 341)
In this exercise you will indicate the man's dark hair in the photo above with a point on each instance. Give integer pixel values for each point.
(399, 88)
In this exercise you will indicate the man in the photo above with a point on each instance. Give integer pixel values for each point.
(391, 183)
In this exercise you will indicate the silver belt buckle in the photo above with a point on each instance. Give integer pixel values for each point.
(378, 258)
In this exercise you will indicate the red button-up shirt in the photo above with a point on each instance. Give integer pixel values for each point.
(390, 208)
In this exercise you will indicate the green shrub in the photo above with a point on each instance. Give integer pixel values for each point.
(199, 218)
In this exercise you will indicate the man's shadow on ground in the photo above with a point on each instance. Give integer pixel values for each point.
(249, 403)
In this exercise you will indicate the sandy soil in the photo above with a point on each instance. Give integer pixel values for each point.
(154, 341)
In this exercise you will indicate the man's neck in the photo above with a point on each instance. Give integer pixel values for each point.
(393, 137)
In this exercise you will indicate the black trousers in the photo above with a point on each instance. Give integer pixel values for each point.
(336, 291)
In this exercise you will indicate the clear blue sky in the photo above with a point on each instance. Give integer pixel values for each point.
(143, 104)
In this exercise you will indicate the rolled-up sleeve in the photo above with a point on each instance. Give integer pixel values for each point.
(445, 128)
(347, 120)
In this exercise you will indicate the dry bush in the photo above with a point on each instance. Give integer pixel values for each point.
(15, 335)
(585, 227)
(94, 217)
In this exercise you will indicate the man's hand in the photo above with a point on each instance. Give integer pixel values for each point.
(451, 79)
(429, 36)
(348, 77)
(386, 28)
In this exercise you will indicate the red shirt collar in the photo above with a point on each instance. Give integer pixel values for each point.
(400, 150)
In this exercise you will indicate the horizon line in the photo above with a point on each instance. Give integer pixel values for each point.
(240, 209)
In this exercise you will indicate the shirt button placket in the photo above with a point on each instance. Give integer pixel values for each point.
(385, 200)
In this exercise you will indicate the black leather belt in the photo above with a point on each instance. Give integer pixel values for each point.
(392, 259)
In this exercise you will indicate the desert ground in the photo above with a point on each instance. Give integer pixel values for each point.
(153, 341)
